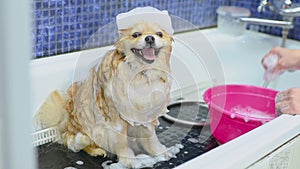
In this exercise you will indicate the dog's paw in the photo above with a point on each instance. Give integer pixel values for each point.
(94, 151)
(172, 151)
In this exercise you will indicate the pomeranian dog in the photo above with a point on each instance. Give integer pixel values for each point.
(116, 108)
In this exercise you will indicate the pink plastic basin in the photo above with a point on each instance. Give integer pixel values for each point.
(237, 109)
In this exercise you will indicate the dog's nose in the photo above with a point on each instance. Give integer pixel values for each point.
(149, 39)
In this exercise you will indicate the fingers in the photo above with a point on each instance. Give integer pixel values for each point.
(288, 102)
(282, 105)
(282, 96)
(283, 108)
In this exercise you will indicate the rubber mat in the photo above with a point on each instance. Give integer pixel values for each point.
(196, 141)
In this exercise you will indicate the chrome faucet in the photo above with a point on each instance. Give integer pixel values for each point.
(262, 6)
(286, 8)
(274, 5)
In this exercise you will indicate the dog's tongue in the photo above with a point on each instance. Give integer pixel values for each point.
(149, 53)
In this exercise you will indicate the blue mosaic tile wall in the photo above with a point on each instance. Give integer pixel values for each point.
(63, 26)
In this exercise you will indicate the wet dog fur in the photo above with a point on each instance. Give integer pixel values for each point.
(116, 108)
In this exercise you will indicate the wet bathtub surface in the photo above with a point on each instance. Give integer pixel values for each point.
(196, 141)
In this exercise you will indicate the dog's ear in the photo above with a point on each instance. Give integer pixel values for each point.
(122, 32)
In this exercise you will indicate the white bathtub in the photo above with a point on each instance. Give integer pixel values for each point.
(200, 59)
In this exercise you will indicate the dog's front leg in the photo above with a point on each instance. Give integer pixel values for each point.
(153, 146)
(149, 141)
(125, 154)
(113, 137)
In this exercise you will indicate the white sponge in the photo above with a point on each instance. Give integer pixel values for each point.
(145, 14)
(270, 63)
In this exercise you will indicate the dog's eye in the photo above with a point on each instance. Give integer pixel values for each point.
(160, 34)
(136, 34)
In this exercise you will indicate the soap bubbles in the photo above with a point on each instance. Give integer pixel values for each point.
(247, 112)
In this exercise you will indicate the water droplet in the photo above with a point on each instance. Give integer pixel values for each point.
(246, 119)
(70, 168)
(193, 140)
(79, 162)
(160, 127)
(185, 152)
(232, 116)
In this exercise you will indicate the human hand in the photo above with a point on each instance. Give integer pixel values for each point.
(288, 59)
(288, 101)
